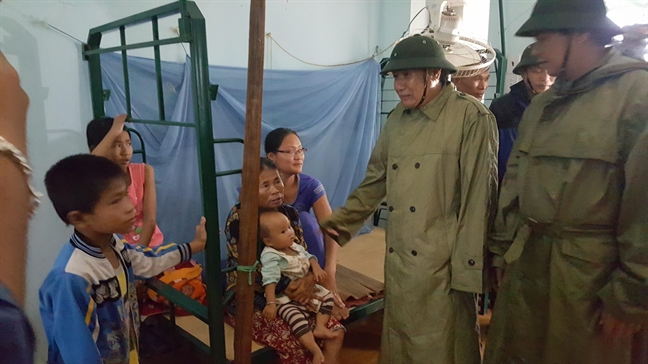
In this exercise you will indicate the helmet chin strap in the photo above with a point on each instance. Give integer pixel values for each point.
(563, 68)
(425, 88)
(530, 85)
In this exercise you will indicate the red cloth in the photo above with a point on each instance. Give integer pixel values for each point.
(277, 335)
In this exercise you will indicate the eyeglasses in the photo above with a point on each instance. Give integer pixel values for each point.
(300, 151)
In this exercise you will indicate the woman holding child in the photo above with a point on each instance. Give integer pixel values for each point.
(276, 333)
(306, 193)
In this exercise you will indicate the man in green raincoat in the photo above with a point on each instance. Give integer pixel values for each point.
(436, 162)
(572, 225)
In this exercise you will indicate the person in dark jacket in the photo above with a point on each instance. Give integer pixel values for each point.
(509, 108)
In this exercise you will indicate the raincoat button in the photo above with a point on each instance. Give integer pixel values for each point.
(391, 250)
(408, 111)
(471, 262)
(412, 208)
(391, 208)
(394, 166)
(417, 165)
(414, 253)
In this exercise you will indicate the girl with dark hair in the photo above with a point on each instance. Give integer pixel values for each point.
(107, 137)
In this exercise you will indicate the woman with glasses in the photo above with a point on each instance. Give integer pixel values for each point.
(305, 193)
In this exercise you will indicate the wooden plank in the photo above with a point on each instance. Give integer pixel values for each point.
(366, 254)
(200, 331)
(356, 285)
(250, 190)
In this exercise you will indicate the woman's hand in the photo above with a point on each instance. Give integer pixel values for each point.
(270, 311)
(331, 285)
(302, 290)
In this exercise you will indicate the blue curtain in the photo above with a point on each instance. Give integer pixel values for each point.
(335, 112)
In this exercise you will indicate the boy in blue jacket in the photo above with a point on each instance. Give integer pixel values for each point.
(88, 301)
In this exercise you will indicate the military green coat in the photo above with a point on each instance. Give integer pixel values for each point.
(573, 221)
(437, 166)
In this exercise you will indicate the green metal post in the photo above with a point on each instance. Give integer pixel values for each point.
(205, 137)
(502, 29)
(96, 84)
(502, 65)
(143, 17)
(193, 31)
(142, 149)
(158, 70)
(147, 44)
(122, 36)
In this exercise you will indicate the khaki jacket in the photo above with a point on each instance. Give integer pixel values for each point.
(437, 166)
(573, 209)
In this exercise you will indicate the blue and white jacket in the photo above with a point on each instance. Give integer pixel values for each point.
(87, 318)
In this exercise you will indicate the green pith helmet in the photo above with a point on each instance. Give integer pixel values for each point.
(555, 15)
(417, 52)
(527, 60)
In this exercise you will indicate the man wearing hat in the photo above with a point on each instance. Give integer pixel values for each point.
(474, 85)
(436, 163)
(509, 108)
(572, 223)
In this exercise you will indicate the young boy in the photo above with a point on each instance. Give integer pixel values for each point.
(281, 256)
(88, 301)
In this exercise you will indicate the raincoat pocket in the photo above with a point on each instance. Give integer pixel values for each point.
(586, 266)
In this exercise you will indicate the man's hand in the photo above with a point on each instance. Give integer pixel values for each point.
(13, 106)
(496, 275)
(270, 311)
(614, 329)
(302, 290)
(332, 233)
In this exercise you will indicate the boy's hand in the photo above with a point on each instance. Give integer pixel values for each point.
(198, 244)
(319, 273)
(270, 311)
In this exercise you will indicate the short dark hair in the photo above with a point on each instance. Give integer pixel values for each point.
(264, 229)
(274, 139)
(76, 183)
(97, 129)
(267, 163)
(445, 77)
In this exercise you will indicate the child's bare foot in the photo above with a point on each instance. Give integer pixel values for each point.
(324, 333)
(318, 357)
